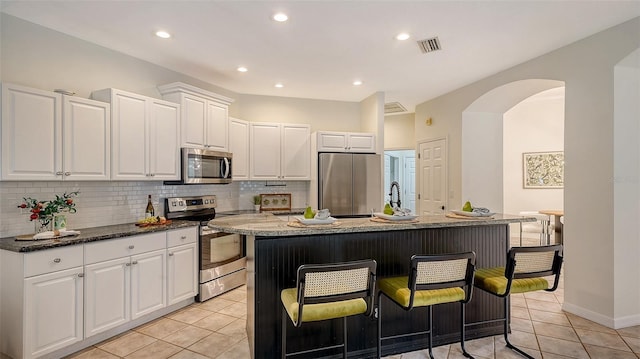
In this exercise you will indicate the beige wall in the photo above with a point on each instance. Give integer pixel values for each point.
(399, 132)
(586, 67)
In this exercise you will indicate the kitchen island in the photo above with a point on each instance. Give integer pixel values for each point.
(275, 249)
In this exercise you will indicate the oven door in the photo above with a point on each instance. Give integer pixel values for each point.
(220, 254)
(202, 166)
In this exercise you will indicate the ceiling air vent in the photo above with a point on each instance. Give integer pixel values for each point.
(394, 107)
(429, 45)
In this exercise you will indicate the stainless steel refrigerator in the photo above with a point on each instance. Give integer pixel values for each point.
(349, 184)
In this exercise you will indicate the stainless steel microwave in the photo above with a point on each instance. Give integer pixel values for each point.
(204, 166)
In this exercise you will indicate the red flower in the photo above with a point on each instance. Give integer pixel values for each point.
(24, 205)
(33, 216)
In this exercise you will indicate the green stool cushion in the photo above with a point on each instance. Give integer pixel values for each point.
(396, 289)
(493, 281)
(321, 311)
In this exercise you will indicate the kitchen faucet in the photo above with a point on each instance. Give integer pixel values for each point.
(391, 202)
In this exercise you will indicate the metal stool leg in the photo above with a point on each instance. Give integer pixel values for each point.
(284, 334)
(507, 304)
(344, 337)
(462, 332)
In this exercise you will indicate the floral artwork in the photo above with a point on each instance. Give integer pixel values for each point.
(543, 169)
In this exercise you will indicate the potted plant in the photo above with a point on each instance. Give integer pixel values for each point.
(47, 213)
(257, 200)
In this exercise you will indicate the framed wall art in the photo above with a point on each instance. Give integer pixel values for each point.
(543, 169)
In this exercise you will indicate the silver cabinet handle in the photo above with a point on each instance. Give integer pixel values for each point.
(183, 237)
(134, 262)
(80, 275)
(127, 264)
(57, 260)
(67, 173)
(59, 173)
(131, 246)
(170, 254)
(153, 175)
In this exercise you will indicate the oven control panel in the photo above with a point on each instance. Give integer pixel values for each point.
(183, 204)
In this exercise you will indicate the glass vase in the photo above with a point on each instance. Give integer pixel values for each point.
(43, 224)
(59, 221)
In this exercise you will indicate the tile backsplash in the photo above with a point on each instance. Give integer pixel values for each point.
(106, 203)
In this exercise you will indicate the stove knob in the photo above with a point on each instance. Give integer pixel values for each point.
(181, 203)
(173, 204)
(206, 201)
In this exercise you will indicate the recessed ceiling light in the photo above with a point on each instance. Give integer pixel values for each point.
(357, 83)
(242, 69)
(280, 17)
(403, 36)
(163, 34)
(279, 85)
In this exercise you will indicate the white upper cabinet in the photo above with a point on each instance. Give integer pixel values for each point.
(280, 151)
(239, 147)
(346, 142)
(145, 136)
(48, 136)
(205, 116)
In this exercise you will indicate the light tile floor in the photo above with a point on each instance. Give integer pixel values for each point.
(216, 329)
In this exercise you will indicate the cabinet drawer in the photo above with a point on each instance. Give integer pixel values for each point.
(182, 236)
(52, 260)
(122, 247)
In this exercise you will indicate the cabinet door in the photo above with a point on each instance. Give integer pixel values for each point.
(148, 283)
(87, 139)
(239, 146)
(53, 311)
(31, 134)
(107, 293)
(296, 152)
(128, 137)
(182, 273)
(362, 142)
(265, 151)
(164, 137)
(193, 121)
(217, 126)
(332, 142)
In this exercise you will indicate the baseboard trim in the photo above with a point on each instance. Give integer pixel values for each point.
(613, 323)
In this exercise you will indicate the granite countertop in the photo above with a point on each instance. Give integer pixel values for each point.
(268, 225)
(89, 235)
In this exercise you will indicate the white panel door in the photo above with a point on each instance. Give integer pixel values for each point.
(217, 126)
(31, 134)
(129, 160)
(362, 142)
(87, 139)
(296, 152)
(332, 142)
(432, 157)
(265, 151)
(409, 183)
(164, 137)
(107, 295)
(239, 147)
(182, 273)
(193, 121)
(53, 311)
(148, 282)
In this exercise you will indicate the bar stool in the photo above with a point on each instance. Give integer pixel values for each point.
(433, 279)
(328, 291)
(524, 272)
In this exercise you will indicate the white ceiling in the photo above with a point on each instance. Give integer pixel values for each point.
(326, 45)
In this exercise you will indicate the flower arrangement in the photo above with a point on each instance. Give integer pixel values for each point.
(45, 210)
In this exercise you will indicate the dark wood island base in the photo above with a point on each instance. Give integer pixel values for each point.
(274, 255)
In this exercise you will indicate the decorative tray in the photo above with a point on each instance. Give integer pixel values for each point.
(391, 217)
(303, 220)
(275, 201)
(472, 214)
(168, 221)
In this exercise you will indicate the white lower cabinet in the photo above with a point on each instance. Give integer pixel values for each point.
(182, 264)
(125, 280)
(53, 311)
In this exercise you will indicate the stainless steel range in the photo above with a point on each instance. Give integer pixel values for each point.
(221, 255)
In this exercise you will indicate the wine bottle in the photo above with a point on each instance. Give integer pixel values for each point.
(149, 212)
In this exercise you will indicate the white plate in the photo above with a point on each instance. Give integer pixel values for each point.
(472, 214)
(394, 218)
(303, 220)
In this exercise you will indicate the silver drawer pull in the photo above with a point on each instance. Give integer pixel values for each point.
(127, 264)
(67, 173)
(131, 246)
(134, 262)
(59, 173)
(80, 275)
(57, 260)
(170, 254)
(183, 237)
